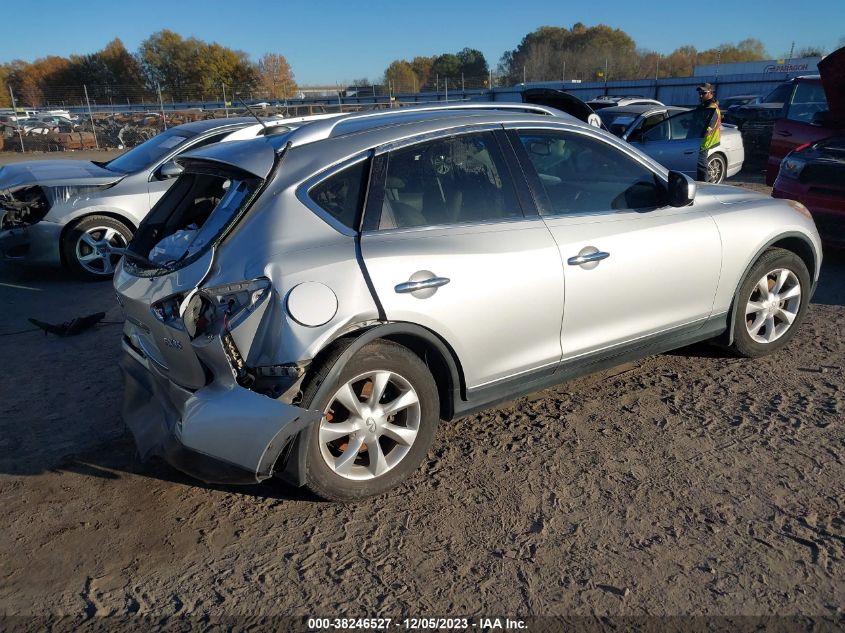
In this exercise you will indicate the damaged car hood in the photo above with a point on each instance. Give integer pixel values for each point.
(52, 173)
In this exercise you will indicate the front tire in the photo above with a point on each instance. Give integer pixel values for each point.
(771, 303)
(87, 246)
(380, 417)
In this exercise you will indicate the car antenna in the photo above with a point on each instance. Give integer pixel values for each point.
(238, 95)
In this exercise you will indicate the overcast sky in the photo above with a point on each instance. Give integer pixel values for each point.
(329, 41)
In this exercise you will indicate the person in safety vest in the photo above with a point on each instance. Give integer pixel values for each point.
(709, 107)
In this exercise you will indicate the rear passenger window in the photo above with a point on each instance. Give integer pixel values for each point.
(580, 174)
(454, 180)
(808, 99)
(341, 195)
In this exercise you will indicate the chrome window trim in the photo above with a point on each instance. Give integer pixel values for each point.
(430, 136)
(303, 192)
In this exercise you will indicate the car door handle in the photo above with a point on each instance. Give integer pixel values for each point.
(784, 133)
(413, 286)
(580, 260)
(690, 151)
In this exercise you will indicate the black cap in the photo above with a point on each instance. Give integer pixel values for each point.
(705, 87)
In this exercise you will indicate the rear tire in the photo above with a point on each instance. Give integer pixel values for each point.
(716, 169)
(86, 246)
(380, 418)
(771, 303)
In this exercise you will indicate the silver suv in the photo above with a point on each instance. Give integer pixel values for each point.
(311, 305)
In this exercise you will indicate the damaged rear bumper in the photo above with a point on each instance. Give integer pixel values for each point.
(34, 244)
(222, 433)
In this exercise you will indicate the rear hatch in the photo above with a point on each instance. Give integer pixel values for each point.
(832, 71)
(173, 252)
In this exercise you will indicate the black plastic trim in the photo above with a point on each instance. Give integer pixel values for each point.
(504, 391)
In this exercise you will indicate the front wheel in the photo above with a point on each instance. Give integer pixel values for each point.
(716, 169)
(771, 303)
(88, 246)
(379, 420)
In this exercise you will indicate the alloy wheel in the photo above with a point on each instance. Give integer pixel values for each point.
(370, 425)
(95, 249)
(773, 305)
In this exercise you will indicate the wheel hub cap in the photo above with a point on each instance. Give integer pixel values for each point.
(370, 425)
(773, 305)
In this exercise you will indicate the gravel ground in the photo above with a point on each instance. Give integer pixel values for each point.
(690, 483)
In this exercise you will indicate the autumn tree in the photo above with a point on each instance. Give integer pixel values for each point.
(421, 66)
(5, 97)
(400, 76)
(275, 77)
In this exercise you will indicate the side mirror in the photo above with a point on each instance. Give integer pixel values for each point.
(681, 189)
(170, 169)
(637, 136)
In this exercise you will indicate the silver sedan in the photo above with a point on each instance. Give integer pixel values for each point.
(670, 135)
(81, 214)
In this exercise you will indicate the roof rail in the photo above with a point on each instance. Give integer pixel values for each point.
(322, 129)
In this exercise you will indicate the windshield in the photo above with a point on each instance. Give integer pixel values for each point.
(149, 152)
(779, 94)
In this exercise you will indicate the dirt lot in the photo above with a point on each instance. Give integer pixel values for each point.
(689, 483)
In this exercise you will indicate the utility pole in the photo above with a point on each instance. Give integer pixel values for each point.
(523, 74)
(657, 68)
(491, 80)
(91, 116)
(161, 103)
(225, 103)
(447, 89)
(605, 76)
(791, 50)
(15, 108)
(563, 75)
(462, 82)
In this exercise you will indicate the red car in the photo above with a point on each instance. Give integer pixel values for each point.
(814, 174)
(815, 110)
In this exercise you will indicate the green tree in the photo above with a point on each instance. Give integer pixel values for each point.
(447, 65)
(473, 64)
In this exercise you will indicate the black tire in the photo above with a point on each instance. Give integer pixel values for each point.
(773, 259)
(380, 355)
(95, 226)
(717, 168)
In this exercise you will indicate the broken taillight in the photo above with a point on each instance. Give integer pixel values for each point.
(217, 310)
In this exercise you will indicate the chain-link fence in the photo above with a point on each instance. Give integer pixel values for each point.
(68, 117)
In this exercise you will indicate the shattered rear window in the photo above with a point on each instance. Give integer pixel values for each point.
(191, 217)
